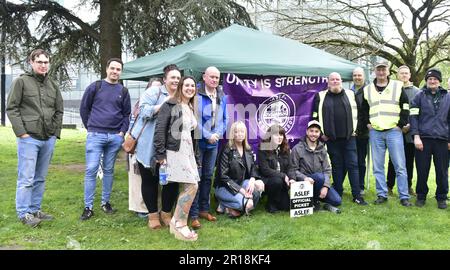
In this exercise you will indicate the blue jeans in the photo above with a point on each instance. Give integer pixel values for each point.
(332, 197)
(33, 159)
(98, 144)
(201, 202)
(392, 140)
(228, 200)
(344, 157)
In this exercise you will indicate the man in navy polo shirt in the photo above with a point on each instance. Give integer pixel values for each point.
(104, 109)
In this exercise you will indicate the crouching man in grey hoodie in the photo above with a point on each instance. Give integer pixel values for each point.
(310, 163)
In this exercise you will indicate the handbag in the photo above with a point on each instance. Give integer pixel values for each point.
(129, 145)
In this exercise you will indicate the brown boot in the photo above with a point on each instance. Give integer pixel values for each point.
(207, 216)
(153, 221)
(195, 224)
(165, 218)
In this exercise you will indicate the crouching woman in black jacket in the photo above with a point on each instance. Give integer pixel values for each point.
(274, 165)
(237, 189)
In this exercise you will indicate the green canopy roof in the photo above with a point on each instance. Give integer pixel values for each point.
(241, 50)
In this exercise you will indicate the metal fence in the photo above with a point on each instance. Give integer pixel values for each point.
(73, 94)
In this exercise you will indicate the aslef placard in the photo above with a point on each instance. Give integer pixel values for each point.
(301, 199)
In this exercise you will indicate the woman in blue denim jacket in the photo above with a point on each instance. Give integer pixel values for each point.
(150, 103)
(135, 200)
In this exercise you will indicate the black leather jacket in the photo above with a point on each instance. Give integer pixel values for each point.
(230, 172)
(164, 140)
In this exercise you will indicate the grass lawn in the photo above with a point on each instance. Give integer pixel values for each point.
(389, 226)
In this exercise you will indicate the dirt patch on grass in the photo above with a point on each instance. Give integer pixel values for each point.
(12, 247)
(81, 167)
(70, 167)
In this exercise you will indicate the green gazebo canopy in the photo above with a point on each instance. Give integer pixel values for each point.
(241, 50)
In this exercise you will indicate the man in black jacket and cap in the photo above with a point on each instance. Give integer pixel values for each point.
(430, 118)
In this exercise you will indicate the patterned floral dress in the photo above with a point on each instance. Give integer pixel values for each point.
(181, 165)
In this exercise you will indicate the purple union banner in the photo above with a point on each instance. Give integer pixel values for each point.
(261, 101)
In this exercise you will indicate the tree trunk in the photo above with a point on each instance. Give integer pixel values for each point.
(3, 79)
(416, 80)
(110, 34)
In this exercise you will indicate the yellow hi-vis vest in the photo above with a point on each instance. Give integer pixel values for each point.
(351, 98)
(384, 110)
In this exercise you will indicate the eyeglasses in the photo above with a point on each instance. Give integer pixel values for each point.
(42, 62)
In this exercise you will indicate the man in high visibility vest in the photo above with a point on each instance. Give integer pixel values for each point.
(404, 74)
(336, 110)
(387, 108)
(430, 122)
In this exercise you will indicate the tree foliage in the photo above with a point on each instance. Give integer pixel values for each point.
(138, 27)
(356, 29)
(165, 23)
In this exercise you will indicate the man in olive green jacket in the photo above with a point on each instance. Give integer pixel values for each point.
(35, 109)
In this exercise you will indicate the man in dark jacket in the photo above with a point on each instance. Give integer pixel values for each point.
(336, 110)
(430, 119)
(362, 133)
(35, 109)
(309, 162)
(105, 113)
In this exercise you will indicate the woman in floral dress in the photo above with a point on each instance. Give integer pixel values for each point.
(176, 147)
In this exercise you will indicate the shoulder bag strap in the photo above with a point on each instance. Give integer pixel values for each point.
(142, 130)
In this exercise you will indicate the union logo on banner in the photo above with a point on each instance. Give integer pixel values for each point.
(279, 109)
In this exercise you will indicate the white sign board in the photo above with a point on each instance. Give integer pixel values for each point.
(301, 199)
